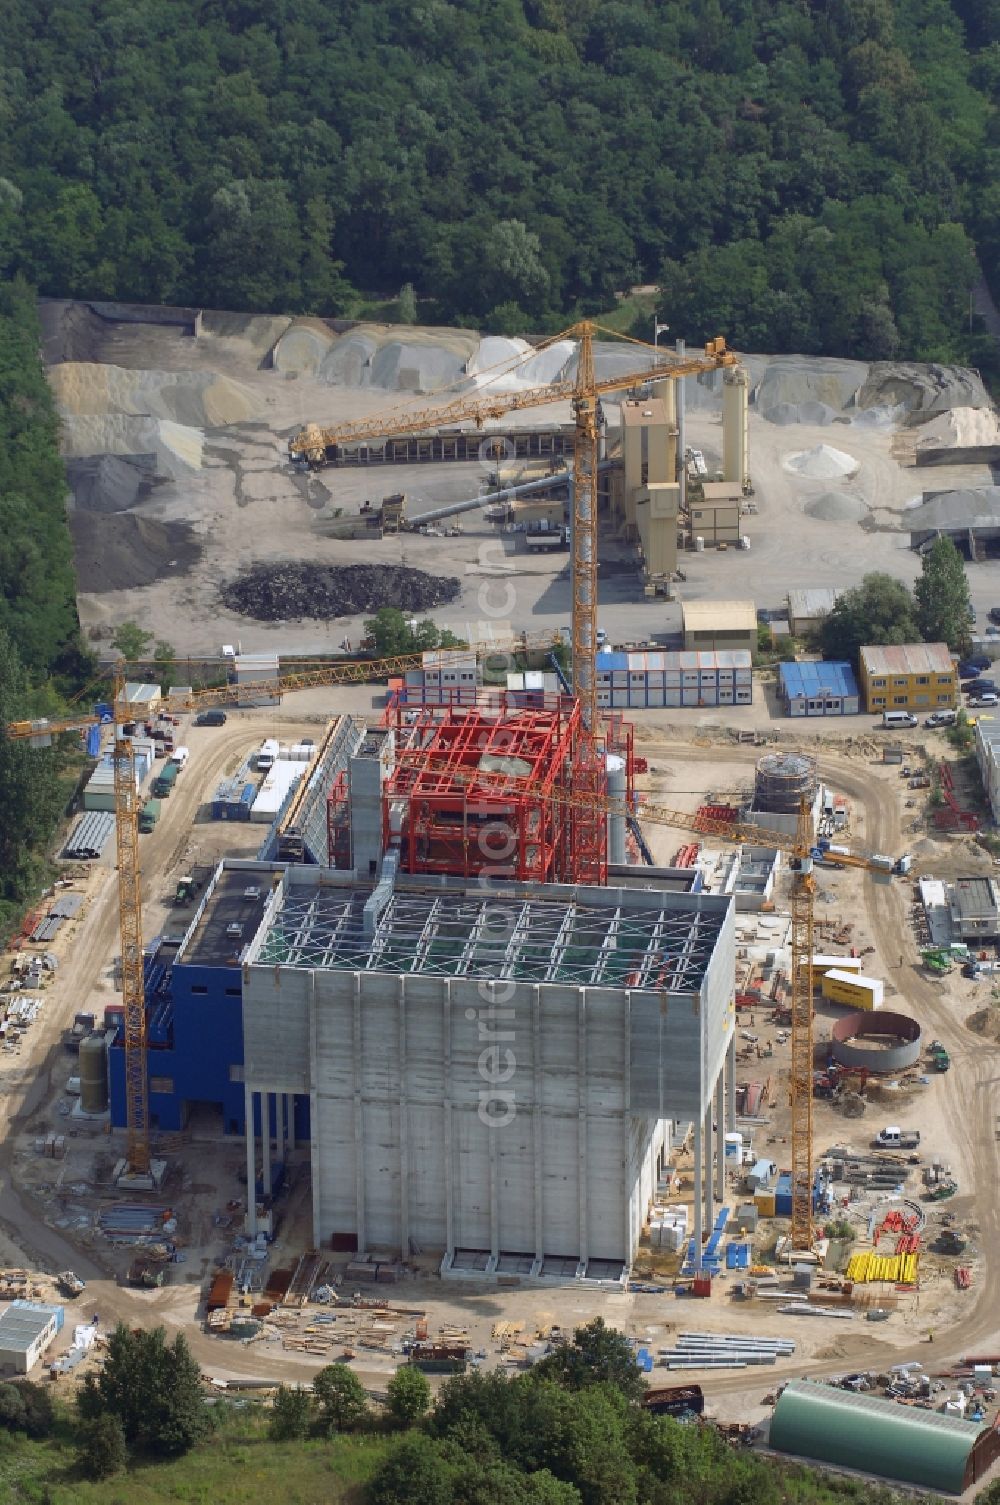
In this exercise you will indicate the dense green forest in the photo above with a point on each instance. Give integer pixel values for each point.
(809, 177)
(40, 653)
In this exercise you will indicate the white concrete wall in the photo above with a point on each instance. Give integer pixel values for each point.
(534, 1129)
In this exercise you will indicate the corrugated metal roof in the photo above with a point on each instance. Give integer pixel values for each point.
(928, 1448)
(20, 1326)
(719, 616)
(812, 680)
(811, 603)
(908, 658)
(976, 507)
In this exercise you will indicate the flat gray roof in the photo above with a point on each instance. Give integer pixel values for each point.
(975, 896)
(613, 938)
(235, 897)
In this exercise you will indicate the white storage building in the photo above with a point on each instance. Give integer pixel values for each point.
(447, 676)
(687, 678)
(281, 778)
(26, 1330)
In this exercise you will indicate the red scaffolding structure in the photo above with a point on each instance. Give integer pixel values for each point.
(444, 820)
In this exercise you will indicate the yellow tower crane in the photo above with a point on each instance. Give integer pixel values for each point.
(314, 444)
(803, 852)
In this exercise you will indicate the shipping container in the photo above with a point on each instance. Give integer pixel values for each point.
(853, 990)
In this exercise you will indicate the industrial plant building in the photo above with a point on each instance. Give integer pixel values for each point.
(911, 677)
(441, 976)
(491, 1072)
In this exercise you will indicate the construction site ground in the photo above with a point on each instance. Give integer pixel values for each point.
(193, 486)
(47, 1206)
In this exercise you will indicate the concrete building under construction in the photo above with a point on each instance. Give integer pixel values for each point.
(489, 1029)
(491, 1072)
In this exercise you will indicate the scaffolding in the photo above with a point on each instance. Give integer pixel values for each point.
(445, 821)
(612, 943)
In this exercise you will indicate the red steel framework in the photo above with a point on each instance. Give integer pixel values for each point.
(444, 822)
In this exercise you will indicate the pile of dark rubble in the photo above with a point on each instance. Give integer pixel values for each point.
(285, 592)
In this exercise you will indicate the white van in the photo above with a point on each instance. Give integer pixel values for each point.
(897, 719)
(268, 755)
(180, 756)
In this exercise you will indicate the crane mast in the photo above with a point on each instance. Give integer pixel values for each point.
(583, 563)
(130, 929)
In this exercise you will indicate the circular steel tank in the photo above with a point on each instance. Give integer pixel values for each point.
(876, 1041)
(94, 1073)
(782, 781)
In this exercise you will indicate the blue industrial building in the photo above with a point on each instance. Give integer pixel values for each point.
(194, 1012)
(822, 689)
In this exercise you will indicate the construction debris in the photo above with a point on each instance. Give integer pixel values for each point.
(275, 593)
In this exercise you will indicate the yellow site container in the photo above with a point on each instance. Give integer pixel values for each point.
(764, 1203)
(853, 990)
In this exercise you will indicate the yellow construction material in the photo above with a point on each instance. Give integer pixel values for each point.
(901, 1269)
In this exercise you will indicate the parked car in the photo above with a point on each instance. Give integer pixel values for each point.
(990, 698)
(981, 686)
(994, 614)
(941, 718)
(970, 667)
(211, 718)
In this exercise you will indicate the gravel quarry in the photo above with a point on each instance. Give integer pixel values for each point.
(184, 504)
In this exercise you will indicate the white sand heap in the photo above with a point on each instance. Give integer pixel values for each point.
(501, 365)
(821, 463)
(837, 507)
(960, 428)
(176, 448)
(195, 399)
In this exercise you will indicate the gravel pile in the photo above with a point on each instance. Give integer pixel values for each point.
(276, 593)
(124, 550)
(922, 389)
(817, 413)
(837, 507)
(110, 483)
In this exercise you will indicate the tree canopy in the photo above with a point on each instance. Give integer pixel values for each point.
(797, 177)
(879, 611)
(154, 1389)
(942, 597)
